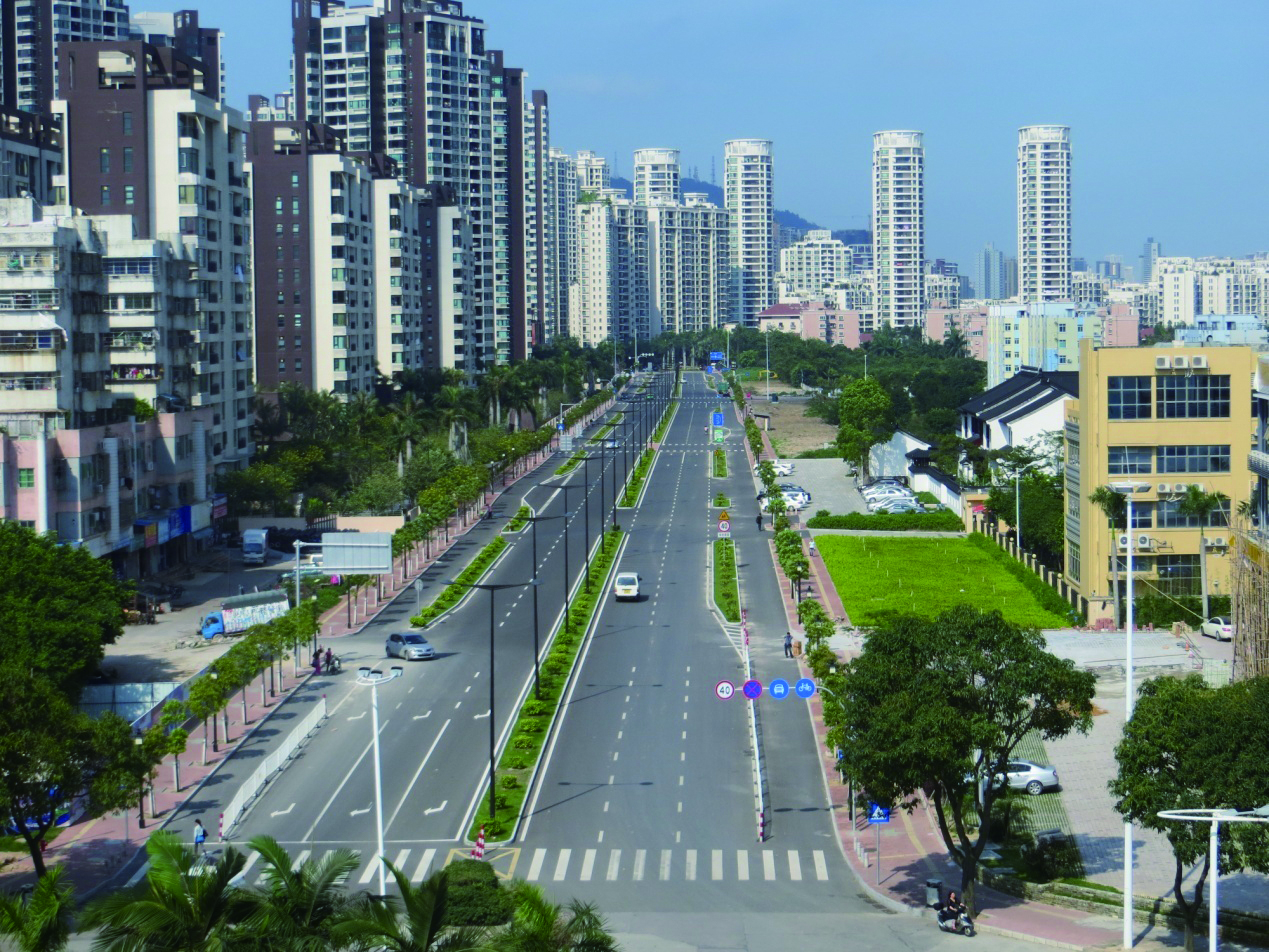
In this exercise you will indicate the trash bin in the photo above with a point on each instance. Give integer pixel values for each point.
(934, 892)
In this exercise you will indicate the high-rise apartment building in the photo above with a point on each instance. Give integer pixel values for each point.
(749, 196)
(1150, 253)
(147, 136)
(30, 155)
(32, 31)
(562, 207)
(989, 274)
(539, 222)
(1044, 213)
(815, 263)
(610, 298)
(689, 265)
(593, 173)
(657, 176)
(180, 30)
(1189, 287)
(898, 226)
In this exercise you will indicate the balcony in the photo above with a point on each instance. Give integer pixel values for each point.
(29, 341)
(135, 373)
(1258, 463)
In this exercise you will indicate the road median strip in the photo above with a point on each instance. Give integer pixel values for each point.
(726, 585)
(454, 592)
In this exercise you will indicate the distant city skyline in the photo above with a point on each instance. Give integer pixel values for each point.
(664, 75)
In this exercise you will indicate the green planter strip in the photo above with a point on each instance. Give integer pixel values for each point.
(519, 520)
(536, 719)
(454, 593)
(637, 478)
(720, 464)
(726, 585)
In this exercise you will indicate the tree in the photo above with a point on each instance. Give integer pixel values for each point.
(1192, 746)
(61, 606)
(1115, 508)
(40, 922)
(176, 908)
(413, 923)
(938, 705)
(865, 412)
(539, 925)
(1043, 513)
(1200, 504)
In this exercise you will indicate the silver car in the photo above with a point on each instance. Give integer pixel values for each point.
(1031, 777)
(409, 645)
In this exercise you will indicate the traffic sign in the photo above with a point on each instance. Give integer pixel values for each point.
(718, 420)
(559, 426)
(723, 690)
(724, 514)
(715, 355)
(779, 689)
(718, 436)
(805, 688)
(724, 527)
(877, 813)
(752, 690)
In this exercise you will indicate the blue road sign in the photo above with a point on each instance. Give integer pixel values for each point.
(779, 689)
(716, 355)
(877, 813)
(805, 688)
(718, 420)
(752, 690)
(559, 426)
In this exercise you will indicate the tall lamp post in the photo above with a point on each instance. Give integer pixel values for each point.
(493, 590)
(537, 691)
(567, 488)
(373, 678)
(1216, 818)
(1128, 489)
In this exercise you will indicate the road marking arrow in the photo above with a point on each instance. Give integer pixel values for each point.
(436, 809)
(358, 716)
(359, 812)
(283, 812)
(476, 717)
(419, 717)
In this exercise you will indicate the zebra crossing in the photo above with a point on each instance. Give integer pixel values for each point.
(543, 865)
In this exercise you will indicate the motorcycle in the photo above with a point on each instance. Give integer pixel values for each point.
(959, 922)
(333, 665)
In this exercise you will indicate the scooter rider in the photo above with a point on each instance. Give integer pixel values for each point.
(951, 913)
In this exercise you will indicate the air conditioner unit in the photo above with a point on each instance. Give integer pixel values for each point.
(1199, 362)
(149, 466)
(1165, 488)
(1162, 363)
(1180, 487)
(1180, 363)
(1218, 542)
(1123, 540)
(1145, 542)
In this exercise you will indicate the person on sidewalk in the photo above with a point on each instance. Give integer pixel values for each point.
(788, 644)
(317, 663)
(200, 838)
(758, 520)
(330, 658)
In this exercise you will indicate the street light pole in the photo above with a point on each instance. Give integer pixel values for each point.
(537, 688)
(365, 676)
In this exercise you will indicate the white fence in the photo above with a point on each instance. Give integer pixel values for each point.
(272, 763)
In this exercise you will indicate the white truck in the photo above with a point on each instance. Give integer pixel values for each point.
(255, 546)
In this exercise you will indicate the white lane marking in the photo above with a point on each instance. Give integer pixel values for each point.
(300, 860)
(611, 779)
(605, 806)
(601, 836)
(680, 806)
(251, 861)
(424, 864)
(742, 864)
(614, 865)
(417, 773)
(689, 868)
(535, 867)
(615, 754)
(641, 857)
(680, 780)
(768, 864)
(795, 866)
(402, 856)
(619, 733)
(821, 867)
(588, 865)
(467, 690)
(370, 871)
(684, 735)
(683, 755)
(561, 865)
(665, 864)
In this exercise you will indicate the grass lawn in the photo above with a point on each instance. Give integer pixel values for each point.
(877, 578)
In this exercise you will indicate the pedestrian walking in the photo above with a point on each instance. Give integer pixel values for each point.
(317, 662)
(758, 520)
(788, 644)
(200, 837)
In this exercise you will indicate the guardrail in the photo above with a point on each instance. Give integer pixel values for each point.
(272, 763)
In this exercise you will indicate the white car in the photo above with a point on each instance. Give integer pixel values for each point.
(1222, 629)
(781, 467)
(626, 586)
(888, 497)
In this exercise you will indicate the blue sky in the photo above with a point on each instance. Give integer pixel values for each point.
(1168, 102)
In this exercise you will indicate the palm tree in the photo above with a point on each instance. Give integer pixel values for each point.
(408, 415)
(298, 908)
(179, 908)
(1200, 503)
(539, 925)
(41, 921)
(493, 385)
(412, 923)
(1116, 509)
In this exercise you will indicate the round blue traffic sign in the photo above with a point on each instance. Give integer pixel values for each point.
(779, 689)
(805, 687)
(752, 690)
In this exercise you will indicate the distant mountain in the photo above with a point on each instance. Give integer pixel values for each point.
(715, 194)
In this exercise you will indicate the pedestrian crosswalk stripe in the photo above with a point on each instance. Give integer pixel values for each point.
(768, 864)
(369, 872)
(689, 868)
(742, 864)
(716, 864)
(399, 862)
(588, 865)
(614, 865)
(821, 867)
(535, 867)
(561, 865)
(424, 864)
(299, 860)
(795, 866)
(251, 861)
(665, 864)
(640, 857)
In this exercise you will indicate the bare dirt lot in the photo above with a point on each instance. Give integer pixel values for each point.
(792, 431)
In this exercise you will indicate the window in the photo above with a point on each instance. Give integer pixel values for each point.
(1073, 560)
(1142, 515)
(1128, 398)
(299, 363)
(1200, 458)
(126, 119)
(295, 180)
(1197, 397)
(105, 161)
(281, 363)
(129, 195)
(105, 195)
(1171, 518)
(1178, 575)
(1129, 460)
(26, 478)
(127, 158)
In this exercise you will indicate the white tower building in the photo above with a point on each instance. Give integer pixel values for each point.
(898, 226)
(656, 175)
(749, 195)
(1044, 213)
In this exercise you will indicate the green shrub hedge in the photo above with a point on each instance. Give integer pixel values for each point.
(475, 896)
(726, 586)
(891, 521)
(452, 593)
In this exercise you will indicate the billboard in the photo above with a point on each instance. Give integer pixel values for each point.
(356, 553)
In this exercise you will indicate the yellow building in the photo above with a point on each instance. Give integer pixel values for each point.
(1161, 419)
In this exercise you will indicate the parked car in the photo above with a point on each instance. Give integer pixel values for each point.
(626, 586)
(889, 497)
(409, 645)
(1218, 627)
(781, 467)
(1031, 777)
(899, 506)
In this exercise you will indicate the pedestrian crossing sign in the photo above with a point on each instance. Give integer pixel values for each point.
(878, 814)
